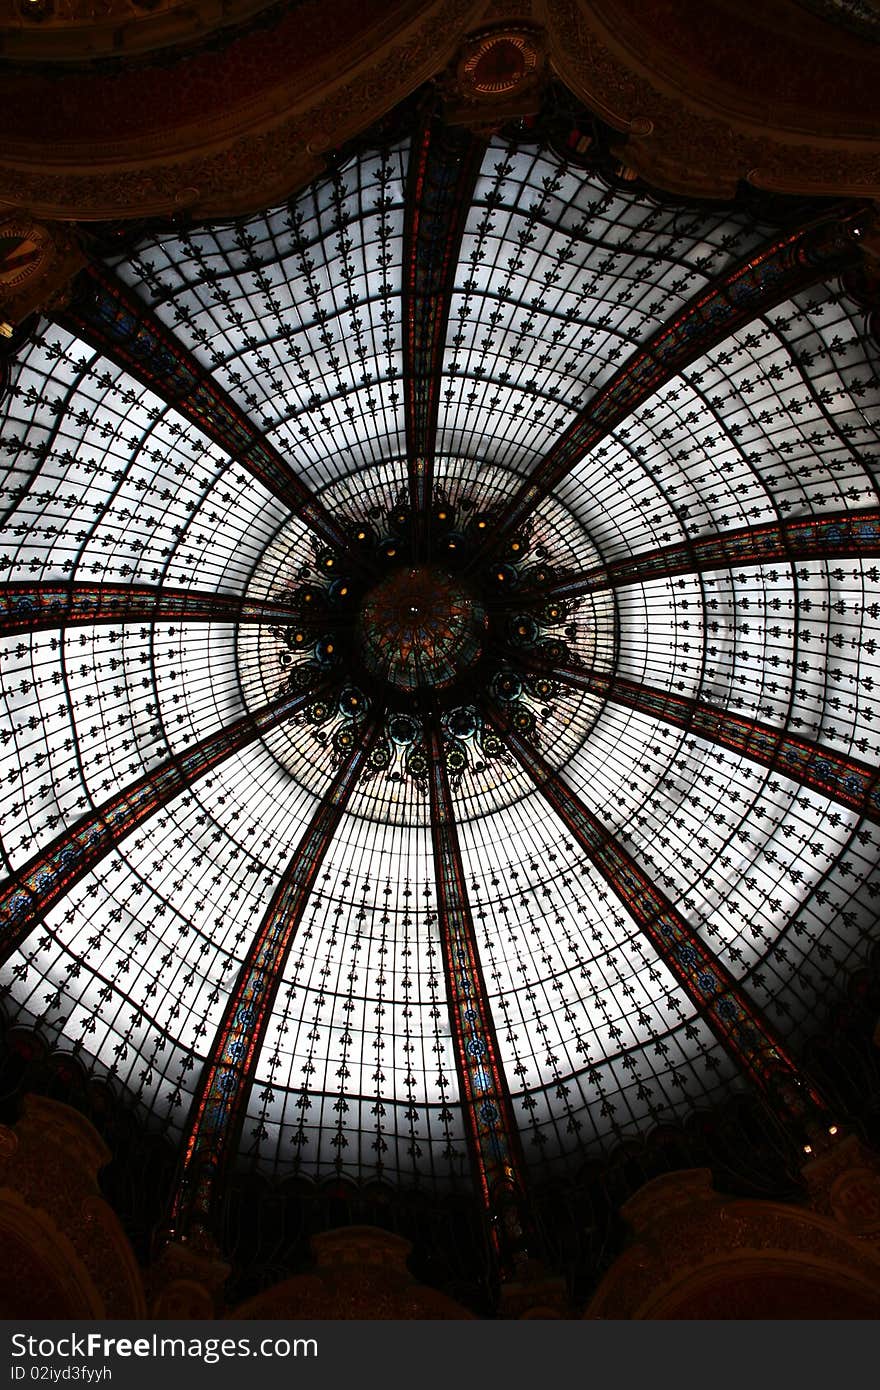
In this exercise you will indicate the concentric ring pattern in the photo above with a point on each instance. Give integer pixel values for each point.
(300, 318)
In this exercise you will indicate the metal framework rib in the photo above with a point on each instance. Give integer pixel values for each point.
(444, 165)
(827, 536)
(493, 1137)
(34, 607)
(28, 895)
(849, 782)
(792, 263)
(109, 316)
(737, 1024)
(217, 1112)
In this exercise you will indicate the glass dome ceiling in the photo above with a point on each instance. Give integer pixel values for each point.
(563, 814)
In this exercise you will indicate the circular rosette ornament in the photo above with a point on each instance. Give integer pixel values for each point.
(421, 630)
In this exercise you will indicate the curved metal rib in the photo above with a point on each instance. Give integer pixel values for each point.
(828, 536)
(444, 166)
(737, 1024)
(36, 607)
(751, 288)
(493, 1137)
(109, 316)
(218, 1108)
(849, 782)
(37, 885)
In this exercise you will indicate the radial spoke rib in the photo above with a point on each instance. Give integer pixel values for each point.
(109, 316)
(35, 607)
(493, 1137)
(444, 165)
(48, 875)
(849, 782)
(829, 536)
(217, 1112)
(738, 1025)
(792, 263)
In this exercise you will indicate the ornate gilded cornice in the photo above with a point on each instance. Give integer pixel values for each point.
(234, 135)
(237, 125)
(692, 133)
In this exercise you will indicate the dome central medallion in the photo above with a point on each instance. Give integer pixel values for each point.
(406, 626)
(421, 629)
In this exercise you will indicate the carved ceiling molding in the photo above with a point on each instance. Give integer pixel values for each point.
(860, 17)
(359, 1272)
(688, 1240)
(196, 153)
(263, 149)
(49, 1166)
(65, 31)
(200, 107)
(499, 75)
(721, 60)
(37, 262)
(684, 142)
